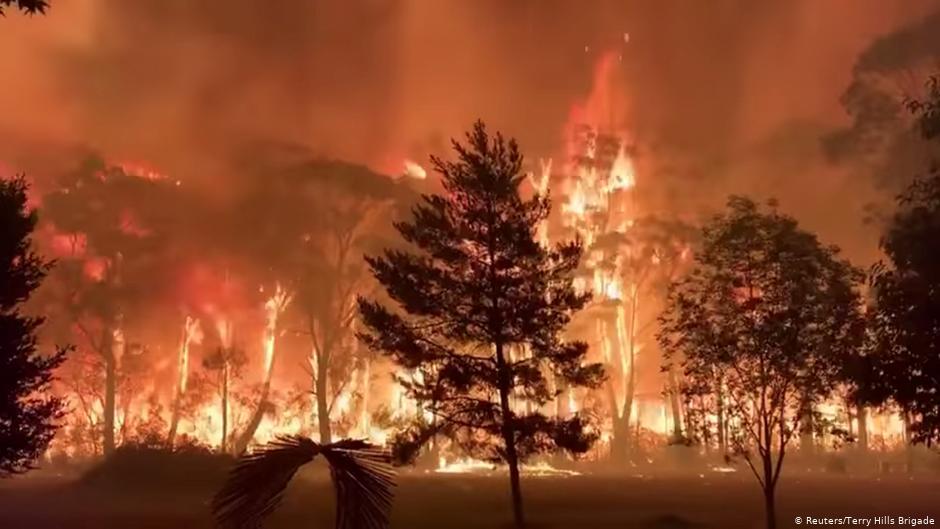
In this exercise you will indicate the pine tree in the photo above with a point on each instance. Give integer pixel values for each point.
(28, 414)
(482, 309)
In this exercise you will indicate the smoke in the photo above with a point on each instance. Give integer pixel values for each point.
(723, 96)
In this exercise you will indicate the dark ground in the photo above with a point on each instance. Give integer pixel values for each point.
(456, 502)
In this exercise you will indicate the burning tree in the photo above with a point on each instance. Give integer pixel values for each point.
(191, 334)
(28, 413)
(627, 261)
(330, 273)
(314, 221)
(772, 313)
(484, 304)
(226, 362)
(116, 225)
(904, 366)
(274, 307)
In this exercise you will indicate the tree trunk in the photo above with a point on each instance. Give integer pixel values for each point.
(706, 428)
(722, 430)
(223, 446)
(675, 405)
(561, 401)
(862, 413)
(174, 422)
(509, 437)
(770, 507)
(110, 388)
(807, 428)
(323, 403)
(619, 444)
(769, 485)
(906, 434)
(241, 444)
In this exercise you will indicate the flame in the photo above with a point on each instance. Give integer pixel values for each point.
(621, 173)
(413, 170)
(468, 465)
(463, 465)
(273, 308)
(597, 199)
(540, 185)
(225, 330)
(192, 334)
(140, 170)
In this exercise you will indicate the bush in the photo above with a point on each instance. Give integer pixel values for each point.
(154, 467)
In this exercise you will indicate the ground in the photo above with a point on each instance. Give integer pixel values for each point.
(716, 500)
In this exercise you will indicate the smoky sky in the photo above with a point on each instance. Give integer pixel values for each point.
(734, 93)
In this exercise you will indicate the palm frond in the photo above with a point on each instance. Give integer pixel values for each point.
(257, 483)
(364, 479)
(361, 474)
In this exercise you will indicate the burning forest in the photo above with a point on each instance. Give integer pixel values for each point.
(263, 250)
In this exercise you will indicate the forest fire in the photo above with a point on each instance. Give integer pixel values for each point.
(209, 399)
(579, 260)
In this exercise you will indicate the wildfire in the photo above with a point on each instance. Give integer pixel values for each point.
(192, 334)
(597, 182)
(413, 170)
(468, 465)
(273, 308)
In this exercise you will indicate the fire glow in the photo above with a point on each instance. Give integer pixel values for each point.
(597, 178)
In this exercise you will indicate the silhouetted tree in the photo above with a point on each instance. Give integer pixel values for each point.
(27, 6)
(904, 364)
(28, 413)
(362, 479)
(772, 310)
(483, 305)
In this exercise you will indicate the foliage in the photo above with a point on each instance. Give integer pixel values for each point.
(118, 222)
(904, 362)
(314, 220)
(187, 466)
(483, 305)
(764, 319)
(30, 7)
(28, 415)
(361, 476)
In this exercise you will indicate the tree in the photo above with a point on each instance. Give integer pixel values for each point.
(483, 305)
(329, 270)
(641, 261)
(903, 365)
(313, 221)
(227, 363)
(31, 7)
(360, 473)
(774, 312)
(28, 413)
(118, 221)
